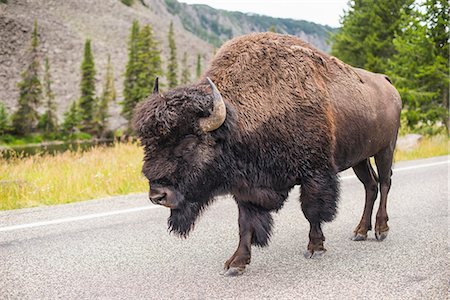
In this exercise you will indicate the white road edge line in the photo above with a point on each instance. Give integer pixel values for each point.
(130, 210)
(79, 218)
(406, 168)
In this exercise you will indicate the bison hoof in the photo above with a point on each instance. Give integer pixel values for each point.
(234, 271)
(359, 237)
(315, 254)
(380, 236)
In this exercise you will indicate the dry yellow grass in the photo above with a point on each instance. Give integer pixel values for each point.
(106, 171)
(428, 147)
(71, 176)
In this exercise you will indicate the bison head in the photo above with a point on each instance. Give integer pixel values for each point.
(183, 133)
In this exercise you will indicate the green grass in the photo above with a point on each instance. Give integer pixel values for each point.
(106, 171)
(11, 140)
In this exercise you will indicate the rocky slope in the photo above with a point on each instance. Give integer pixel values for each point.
(64, 25)
(63, 28)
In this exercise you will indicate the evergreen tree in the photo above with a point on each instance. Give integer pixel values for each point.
(185, 74)
(198, 70)
(144, 64)
(4, 119)
(149, 62)
(87, 99)
(131, 89)
(72, 119)
(273, 28)
(26, 118)
(368, 29)
(172, 67)
(108, 96)
(128, 2)
(49, 121)
(420, 69)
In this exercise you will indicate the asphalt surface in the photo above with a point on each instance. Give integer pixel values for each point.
(102, 249)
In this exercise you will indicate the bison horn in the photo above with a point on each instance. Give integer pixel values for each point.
(156, 86)
(218, 114)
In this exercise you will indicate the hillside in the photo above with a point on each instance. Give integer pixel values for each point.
(217, 26)
(63, 28)
(64, 25)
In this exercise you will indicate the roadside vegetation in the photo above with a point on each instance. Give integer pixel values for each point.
(107, 171)
(71, 176)
(429, 146)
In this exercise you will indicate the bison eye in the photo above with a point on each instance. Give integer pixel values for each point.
(186, 145)
(162, 182)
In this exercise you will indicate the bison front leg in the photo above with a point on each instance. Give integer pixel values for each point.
(318, 198)
(255, 225)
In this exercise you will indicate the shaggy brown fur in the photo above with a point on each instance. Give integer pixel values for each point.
(294, 115)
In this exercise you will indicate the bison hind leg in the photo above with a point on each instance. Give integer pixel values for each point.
(383, 160)
(369, 178)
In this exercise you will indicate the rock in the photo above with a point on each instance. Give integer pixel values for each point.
(408, 142)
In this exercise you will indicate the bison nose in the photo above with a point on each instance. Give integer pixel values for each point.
(164, 196)
(157, 198)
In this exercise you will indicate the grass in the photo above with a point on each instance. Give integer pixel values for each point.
(71, 176)
(429, 146)
(37, 138)
(106, 171)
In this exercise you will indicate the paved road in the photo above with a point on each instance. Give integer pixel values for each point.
(84, 251)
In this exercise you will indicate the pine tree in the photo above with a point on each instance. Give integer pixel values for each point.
(198, 70)
(172, 67)
(368, 28)
(185, 74)
(128, 2)
(108, 96)
(72, 119)
(131, 89)
(4, 119)
(420, 69)
(144, 64)
(87, 99)
(149, 62)
(49, 121)
(26, 118)
(273, 28)
(438, 20)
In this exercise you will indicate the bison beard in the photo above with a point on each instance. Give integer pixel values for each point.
(182, 220)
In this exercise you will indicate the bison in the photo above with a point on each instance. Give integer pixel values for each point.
(269, 113)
